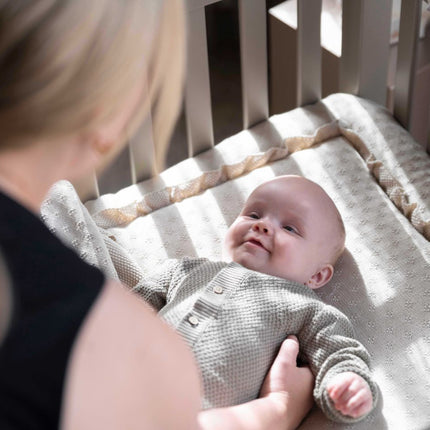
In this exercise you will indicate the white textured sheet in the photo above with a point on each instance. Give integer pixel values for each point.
(382, 282)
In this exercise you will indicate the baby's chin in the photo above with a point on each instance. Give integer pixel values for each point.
(229, 257)
(248, 261)
(252, 265)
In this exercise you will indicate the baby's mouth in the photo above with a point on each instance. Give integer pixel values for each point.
(257, 243)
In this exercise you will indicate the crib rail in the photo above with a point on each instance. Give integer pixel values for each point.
(308, 51)
(363, 66)
(197, 89)
(365, 48)
(406, 60)
(253, 50)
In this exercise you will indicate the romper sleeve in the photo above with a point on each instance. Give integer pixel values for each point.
(154, 288)
(328, 343)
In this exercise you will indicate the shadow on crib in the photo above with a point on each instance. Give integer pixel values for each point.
(347, 291)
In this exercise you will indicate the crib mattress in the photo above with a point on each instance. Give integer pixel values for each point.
(378, 177)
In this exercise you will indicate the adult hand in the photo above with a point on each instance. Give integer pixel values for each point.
(285, 398)
(289, 384)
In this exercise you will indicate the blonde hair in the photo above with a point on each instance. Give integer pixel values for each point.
(68, 65)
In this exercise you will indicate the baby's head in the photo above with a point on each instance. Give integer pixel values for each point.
(290, 228)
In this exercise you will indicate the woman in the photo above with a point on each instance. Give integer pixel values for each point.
(81, 352)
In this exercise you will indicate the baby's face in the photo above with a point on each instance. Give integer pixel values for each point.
(287, 228)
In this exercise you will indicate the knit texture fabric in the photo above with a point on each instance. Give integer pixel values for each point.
(235, 320)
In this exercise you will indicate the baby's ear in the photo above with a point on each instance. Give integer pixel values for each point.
(321, 277)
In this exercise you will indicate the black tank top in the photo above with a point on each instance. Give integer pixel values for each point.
(53, 290)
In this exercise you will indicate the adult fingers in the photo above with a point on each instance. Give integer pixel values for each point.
(289, 350)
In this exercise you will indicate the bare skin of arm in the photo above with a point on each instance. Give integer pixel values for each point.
(285, 398)
(129, 370)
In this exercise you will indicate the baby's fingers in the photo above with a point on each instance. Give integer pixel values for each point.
(359, 405)
(350, 394)
(339, 387)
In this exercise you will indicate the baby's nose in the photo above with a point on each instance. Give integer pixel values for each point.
(262, 227)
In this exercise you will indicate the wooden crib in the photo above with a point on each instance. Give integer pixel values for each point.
(363, 70)
(359, 151)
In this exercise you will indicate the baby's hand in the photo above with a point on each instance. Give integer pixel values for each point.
(350, 394)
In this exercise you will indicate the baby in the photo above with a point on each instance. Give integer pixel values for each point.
(235, 315)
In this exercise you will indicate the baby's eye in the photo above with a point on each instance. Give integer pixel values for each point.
(254, 215)
(290, 229)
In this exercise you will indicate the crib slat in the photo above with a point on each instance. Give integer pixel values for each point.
(93, 187)
(87, 188)
(308, 51)
(375, 49)
(197, 4)
(197, 89)
(406, 60)
(141, 149)
(428, 133)
(365, 48)
(351, 35)
(253, 57)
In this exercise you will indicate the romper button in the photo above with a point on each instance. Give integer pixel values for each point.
(218, 289)
(193, 320)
